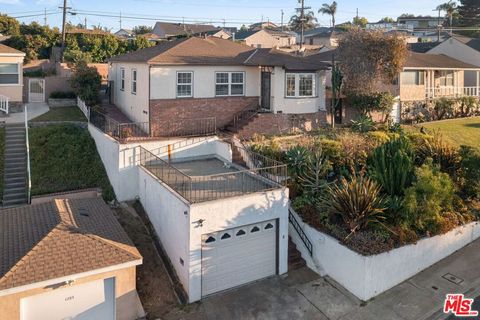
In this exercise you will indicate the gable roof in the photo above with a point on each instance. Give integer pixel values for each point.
(10, 51)
(473, 43)
(435, 61)
(60, 238)
(423, 47)
(242, 35)
(176, 29)
(213, 51)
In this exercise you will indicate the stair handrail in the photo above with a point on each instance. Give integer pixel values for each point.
(244, 115)
(27, 144)
(303, 236)
(4, 101)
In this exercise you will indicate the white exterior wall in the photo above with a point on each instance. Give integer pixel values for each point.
(163, 83)
(457, 50)
(121, 160)
(13, 91)
(135, 106)
(231, 213)
(280, 102)
(169, 216)
(368, 276)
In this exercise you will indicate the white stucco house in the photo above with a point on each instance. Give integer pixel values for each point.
(11, 76)
(210, 77)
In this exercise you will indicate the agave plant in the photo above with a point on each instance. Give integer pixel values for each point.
(358, 202)
(297, 159)
(363, 124)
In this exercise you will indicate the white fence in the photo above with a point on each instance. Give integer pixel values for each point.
(85, 109)
(4, 103)
(447, 91)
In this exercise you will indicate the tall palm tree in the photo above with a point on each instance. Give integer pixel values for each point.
(309, 21)
(450, 8)
(330, 9)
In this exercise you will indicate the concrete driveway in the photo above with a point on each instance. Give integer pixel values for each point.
(302, 294)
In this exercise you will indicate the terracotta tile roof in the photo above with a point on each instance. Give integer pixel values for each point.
(9, 50)
(432, 61)
(213, 51)
(60, 238)
(176, 29)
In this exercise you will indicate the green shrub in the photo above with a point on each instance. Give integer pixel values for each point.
(63, 95)
(367, 103)
(444, 108)
(441, 152)
(297, 160)
(86, 82)
(358, 202)
(378, 137)
(469, 175)
(428, 198)
(362, 124)
(392, 166)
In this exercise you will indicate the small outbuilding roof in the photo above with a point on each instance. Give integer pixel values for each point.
(60, 238)
(6, 50)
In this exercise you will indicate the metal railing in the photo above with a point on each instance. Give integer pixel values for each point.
(4, 103)
(303, 236)
(211, 187)
(244, 115)
(186, 127)
(452, 91)
(117, 130)
(27, 144)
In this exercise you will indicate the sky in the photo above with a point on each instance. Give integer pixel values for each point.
(233, 13)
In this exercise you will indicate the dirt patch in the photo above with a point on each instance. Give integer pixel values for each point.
(153, 283)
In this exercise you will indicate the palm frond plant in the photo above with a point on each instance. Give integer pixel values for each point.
(314, 178)
(358, 202)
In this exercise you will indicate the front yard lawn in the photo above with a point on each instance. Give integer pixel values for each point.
(465, 131)
(61, 114)
(65, 158)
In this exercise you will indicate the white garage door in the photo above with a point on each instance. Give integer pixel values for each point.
(237, 256)
(90, 301)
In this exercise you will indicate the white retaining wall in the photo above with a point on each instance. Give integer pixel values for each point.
(368, 276)
(121, 160)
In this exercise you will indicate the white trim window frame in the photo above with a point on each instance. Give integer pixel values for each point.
(122, 79)
(6, 71)
(229, 83)
(184, 84)
(300, 85)
(134, 81)
(447, 78)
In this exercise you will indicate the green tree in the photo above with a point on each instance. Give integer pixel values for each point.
(387, 20)
(450, 8)
(329, 9)
(142, 29)
(309, 21)
(86, 82)
(9, 26)
(469, 11)
(360, 21)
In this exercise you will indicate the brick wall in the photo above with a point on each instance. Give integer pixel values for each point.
(273, 124)
(165, 112)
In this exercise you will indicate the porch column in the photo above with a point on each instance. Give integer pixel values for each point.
(478, 83)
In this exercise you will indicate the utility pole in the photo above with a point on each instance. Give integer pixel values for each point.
(86, 22)
(64, 21)
(282, 20)
(45, 17)
(357, 18)
(302, 21)
(120, 20)
(438, 26)
(223, 23)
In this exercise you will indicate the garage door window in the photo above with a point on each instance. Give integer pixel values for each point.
(210, 239)
(255, 229)
(241, 233)
(226, 236)
(268, 226)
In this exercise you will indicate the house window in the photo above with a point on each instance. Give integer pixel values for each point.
(134, 81)
(413, 78)
(229, 84)
(184, 84)
(300, 85)
(446, 78)
(9, 73)
(122, 79)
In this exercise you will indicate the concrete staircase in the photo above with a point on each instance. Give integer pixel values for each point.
(295, 260)
(15, 171)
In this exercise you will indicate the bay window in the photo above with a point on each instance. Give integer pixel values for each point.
(229, 84)
(184, 84)
(9, 73)
(300, 85)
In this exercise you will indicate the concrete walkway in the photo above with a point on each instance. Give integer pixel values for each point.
(34, 109)
(304, 295)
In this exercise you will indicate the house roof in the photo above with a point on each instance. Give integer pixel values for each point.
(473, 43)
(9, 50)
(60, 238)
(213, 51)
(435, 61)
(176, 29)
(242, 35)
(423, 47)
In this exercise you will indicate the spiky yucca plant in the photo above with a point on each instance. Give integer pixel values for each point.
(358, 202)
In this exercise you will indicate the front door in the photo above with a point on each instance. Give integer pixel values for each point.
(36, 90)
(266, 90)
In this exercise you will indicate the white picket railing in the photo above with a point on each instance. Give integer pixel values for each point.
(27, 144)
(4, 101)
(85, 109)
(446, 92)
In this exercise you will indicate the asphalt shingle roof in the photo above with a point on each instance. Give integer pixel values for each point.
(9, 50)
(430, 61)
(60, 238)
(176, 29)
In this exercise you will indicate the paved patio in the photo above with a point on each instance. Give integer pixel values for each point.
(304, 295)
(34, 109)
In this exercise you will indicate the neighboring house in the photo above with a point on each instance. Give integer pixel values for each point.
(152, 37)
(219, 33)
(125, 33)
(166, 30)
(210, 77)
(422, 23)
(266, 38)
(323, 36)
(67, 258)
(389, 26)
(264, 25)
(11, 73)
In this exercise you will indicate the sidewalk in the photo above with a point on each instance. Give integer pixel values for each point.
(34, 109)
(304, 295)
